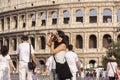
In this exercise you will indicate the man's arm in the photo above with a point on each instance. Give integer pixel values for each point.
(34, 59)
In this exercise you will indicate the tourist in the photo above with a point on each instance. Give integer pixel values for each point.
(72, 59)
(23, 52)
(50, 68)
(58, 46)
(5, 64)
(111, 68)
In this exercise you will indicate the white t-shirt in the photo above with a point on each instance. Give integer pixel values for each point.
(72, 58)
(110, 69)
(51, 63)
(24, 52)
(4, 61)
(60, 56)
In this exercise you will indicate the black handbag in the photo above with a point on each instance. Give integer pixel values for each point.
(31, 64)
(63, 70)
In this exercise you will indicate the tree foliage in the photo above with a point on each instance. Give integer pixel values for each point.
(112, 49)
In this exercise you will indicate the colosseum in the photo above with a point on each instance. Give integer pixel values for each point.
(88, 25)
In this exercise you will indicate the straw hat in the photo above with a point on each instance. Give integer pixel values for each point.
(112, 58)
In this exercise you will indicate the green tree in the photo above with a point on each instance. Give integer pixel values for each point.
(112, 49)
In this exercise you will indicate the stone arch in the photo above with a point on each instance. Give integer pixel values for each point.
(32, 40)
(42, 42)
(43, 18)
(118, 38)
(106, 40)
(79, 41)
(66, 17)
(33, 16)
(107, 15)
(7, 42)
(42, 65)
(15, 21)
(118, 15)
(79, 16)
(92, 41)
(8, 22)
(92, 63)
(93, 16)
(23, 20)
(54, 17)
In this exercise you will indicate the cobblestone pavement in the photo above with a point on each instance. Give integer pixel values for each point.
(43, 77)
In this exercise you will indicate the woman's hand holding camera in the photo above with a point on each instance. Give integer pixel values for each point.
(51, 38)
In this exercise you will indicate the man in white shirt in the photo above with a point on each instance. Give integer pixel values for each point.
(72, 60)
(23, 52)
(50, 68)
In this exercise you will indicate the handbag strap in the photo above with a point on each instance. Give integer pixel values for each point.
(112, 67)
(55, 59)
(30, 52)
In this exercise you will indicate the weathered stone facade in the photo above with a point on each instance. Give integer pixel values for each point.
(88, 25)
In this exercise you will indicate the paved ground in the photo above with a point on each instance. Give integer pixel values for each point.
(43, 77)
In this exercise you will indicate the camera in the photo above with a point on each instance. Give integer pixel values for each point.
(54, 38)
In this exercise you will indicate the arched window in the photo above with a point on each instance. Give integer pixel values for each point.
(16, 21)
(32, 39)
(8, 22)
(42, 42)
(107, 16)
(92, 63)
(67, 39)
(106, 40)
(66, 17)
(7, 43)
(33, 16)
(93, 16)
(23, 19)
(118, 38)
(79, 16)
(92, 41)
(118, 15)
(43, 17)
(54, 18)
(2, 24)
(79, 41)
(15, 43)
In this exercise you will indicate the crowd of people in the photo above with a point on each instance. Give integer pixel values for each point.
(61, 52)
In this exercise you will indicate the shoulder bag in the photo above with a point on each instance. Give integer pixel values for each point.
(31, 64)
(63, 70)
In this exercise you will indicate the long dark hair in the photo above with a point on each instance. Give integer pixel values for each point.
(63, 36)
(4, 50)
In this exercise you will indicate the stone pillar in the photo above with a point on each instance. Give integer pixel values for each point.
(100, 16)
(115, 19)
(72, 16)
(86, 40)
(18, 23)
(5, 24)
(86, 15)
(27, 21)
(49, 19)
(37, 20)
(60, 18)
